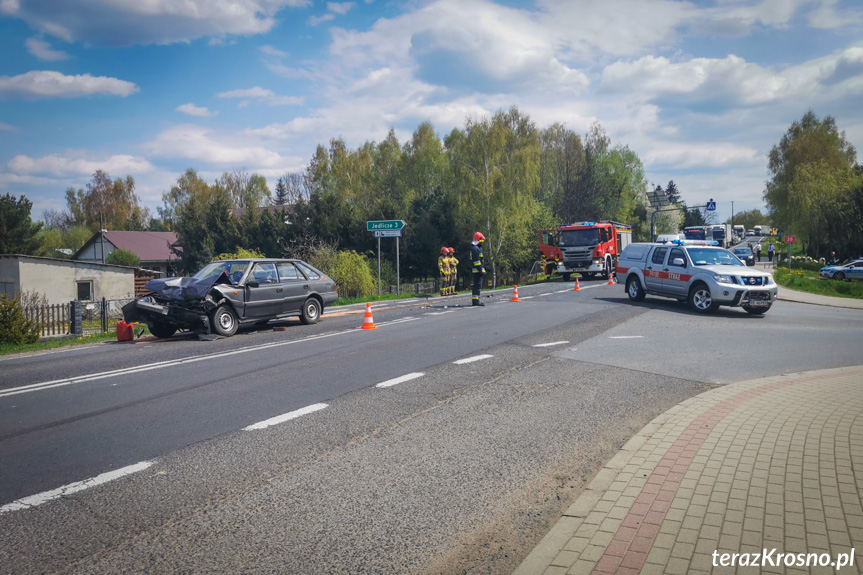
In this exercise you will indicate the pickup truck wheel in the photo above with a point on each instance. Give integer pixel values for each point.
(700, 299)
(224, 321)
(634, 289)
(311, 312)
(756, 310)
(161, 329)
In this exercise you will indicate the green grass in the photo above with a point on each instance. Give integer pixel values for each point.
(805, 279)
(8, 348)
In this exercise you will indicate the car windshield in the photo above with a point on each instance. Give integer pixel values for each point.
(708, 257)
(234, 270)
(743, 251)
(574, 238)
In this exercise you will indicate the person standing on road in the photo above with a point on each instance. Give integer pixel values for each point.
(443, 268)
(758, 251)
(771, 249)
(453, 271)
(477, 267)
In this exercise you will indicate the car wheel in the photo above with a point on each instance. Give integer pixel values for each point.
(224, 321)
(839, 276)
(700, 299)
(161, 329)
(311, 312)
(634, 289)
(756, 310)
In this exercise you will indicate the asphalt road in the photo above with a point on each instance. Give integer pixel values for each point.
(461, 469)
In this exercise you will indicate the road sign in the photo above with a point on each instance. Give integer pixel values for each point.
(388, 233)
(790, 239)
(711, 206)
(385, 225)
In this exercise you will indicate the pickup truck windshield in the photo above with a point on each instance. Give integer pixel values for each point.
(575, 238)
(707, 257)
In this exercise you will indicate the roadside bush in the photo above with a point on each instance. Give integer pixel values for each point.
(241, 253)
(14, 327)
(352, 274)
(123, 258)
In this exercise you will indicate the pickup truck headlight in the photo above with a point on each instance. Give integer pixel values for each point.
(723, 279)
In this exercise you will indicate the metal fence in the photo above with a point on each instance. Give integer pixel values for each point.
(93, 317)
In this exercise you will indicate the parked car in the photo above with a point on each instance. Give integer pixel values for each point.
(227, 294)
(750, 232)
(745, 254)
(848, 270)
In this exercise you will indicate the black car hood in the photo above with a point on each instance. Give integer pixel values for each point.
(185, 288)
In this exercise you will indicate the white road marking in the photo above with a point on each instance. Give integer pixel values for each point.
(286, 417)
(550, 344)
(471, 359)
(626, 337)
(545, 294)
(398, 380)
(44, 497)
(175, 362)
(440, 312)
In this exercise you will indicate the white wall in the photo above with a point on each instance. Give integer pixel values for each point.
(57, 279)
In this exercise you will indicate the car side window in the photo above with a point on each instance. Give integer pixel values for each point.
(310, 273)
(677, 253)
(265, 273)
(288, 272)
(659, 255)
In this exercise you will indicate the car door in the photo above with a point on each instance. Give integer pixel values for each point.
(295, 287)
(855, 271)
(676, 280)
(653, 271)
(264, 293)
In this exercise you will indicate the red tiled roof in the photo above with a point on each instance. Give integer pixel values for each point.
(148, 246)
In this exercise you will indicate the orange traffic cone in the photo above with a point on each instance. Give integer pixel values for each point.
(515, 294)
(610, 279)
(368, 322)
(577, 287)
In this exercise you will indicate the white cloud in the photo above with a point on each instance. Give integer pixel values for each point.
(193, 110)
(827, 15)
(48, 84)
(727, 82)
(270, 51)
(76, 162)
(684, 155)
(341, 8)
(128, 22)
(318, 20)
(263, 95)
(225, 151)
(43, 50)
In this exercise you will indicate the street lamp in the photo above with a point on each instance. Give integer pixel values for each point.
(657, 199)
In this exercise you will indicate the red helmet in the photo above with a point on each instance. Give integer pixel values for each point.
(443, 251)
(478, 237)
(451, 251)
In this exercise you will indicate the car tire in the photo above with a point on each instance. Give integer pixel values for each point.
(756, 310)
(224, 321)
(839, 276)
(162, 330)
(634, 289)
(311, 311)
(700, 299)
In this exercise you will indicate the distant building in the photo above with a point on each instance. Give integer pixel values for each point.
(158, 251)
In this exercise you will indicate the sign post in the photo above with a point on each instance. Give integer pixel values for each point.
(387, 229)
(790, 240)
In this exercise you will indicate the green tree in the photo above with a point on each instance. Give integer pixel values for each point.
(112, 204)
(122, 257)
(18, 233)
(15, 329)
(810, 191)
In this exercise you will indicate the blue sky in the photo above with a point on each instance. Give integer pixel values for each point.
(699, 90)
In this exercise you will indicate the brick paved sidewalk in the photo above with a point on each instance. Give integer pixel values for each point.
(763, 464)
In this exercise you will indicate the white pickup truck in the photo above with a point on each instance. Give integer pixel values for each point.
(706, 277)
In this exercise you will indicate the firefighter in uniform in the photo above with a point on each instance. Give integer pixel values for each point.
(477, 267)
(443, 267)
(453, 271)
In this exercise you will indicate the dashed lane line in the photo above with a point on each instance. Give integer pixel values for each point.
(472, 359)
(398, 380)
(286, 417)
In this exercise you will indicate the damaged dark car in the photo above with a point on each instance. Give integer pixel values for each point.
(227, 294)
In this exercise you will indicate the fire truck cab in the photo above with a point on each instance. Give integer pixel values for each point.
(586, 248)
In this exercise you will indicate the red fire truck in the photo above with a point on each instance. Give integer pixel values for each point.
(586, 248)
